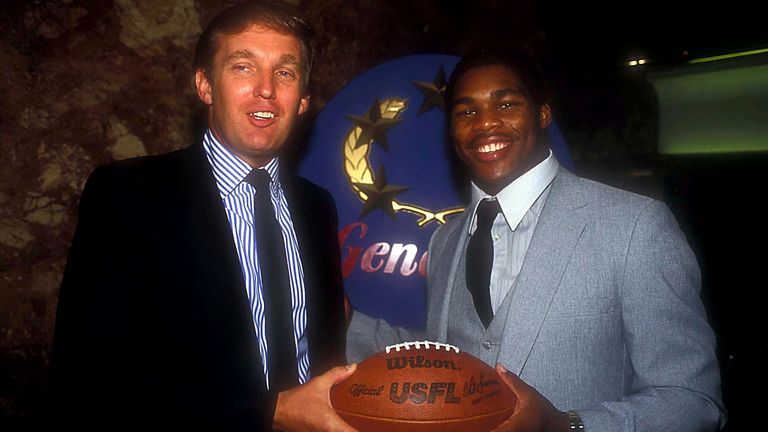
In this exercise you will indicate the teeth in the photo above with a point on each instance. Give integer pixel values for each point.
(491, 147)
(263, 114)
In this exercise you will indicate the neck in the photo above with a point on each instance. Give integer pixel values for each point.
(495, 187)
(254, 161)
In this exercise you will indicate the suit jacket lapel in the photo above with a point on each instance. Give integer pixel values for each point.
(559, 228)
(443, 279)
(210, 240)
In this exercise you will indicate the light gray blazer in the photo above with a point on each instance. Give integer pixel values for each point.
(605, 317)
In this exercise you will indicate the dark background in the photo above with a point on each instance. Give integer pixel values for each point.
(87, 82)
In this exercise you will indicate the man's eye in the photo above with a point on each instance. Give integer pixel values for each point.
(509, 105)
(464, 113)
(241, 68)
(286, 74)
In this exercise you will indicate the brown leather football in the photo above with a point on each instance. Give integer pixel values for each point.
(423, 386)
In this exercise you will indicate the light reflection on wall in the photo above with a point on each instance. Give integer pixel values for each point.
(713, 107)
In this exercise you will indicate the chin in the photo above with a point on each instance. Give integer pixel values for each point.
(495, 184)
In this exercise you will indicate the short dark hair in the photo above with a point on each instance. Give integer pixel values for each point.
(522, 64)
(275, 15)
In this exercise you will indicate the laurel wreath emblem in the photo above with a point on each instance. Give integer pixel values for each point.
(357, 167)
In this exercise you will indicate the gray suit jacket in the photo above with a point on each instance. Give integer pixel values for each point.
(605, 317)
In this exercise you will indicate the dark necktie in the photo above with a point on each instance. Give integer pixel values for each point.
(275, 288)
(480, 260)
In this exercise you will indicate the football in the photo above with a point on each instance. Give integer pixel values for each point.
(423, 386)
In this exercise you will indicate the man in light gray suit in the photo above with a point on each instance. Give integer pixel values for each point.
(586, 297)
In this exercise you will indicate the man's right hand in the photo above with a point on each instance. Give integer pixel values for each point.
(308, 406)
(534, 413)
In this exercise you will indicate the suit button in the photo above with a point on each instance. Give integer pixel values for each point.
(487, 344)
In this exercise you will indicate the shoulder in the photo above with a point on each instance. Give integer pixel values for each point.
(607, 202)
(299, 188)
(616, 213)
(597, 193)
(440, 238)
(309, 202)
(136, 171)
(308, 187)
(131, 182)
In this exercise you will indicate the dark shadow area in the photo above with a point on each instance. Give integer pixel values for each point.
(719, 201)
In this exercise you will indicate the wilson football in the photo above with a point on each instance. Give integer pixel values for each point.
(423, 386)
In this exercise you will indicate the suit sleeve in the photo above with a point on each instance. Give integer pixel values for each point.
(94, 353)
(675, 384)
(367, 335)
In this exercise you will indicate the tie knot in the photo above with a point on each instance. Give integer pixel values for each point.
(487, 211)
(259, 179)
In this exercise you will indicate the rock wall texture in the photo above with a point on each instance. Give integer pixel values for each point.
(84, 83)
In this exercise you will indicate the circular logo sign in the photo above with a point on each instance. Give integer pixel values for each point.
(380, 147)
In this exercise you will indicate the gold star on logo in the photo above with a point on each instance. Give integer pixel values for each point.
(374, 126)
(380, 194)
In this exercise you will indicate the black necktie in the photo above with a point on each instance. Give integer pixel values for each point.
(275, 288)
(480, 260)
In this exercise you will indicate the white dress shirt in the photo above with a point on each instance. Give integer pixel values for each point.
(521, 203)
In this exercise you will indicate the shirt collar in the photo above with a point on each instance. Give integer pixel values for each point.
(519, 196)
(228, 169)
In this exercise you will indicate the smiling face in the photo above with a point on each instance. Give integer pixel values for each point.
(254, 92)
(495, 127)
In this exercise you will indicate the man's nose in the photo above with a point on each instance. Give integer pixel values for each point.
(487, 120)
(264, 86)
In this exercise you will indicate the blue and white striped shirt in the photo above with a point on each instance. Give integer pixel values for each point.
(237, 197)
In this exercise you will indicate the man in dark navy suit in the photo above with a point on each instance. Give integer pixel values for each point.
(203, 287)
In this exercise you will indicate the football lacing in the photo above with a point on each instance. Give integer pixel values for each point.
(417, 344)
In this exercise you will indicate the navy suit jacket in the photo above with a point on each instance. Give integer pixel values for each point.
(153, 324)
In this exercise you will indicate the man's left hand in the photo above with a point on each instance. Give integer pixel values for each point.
(534, 413)
(308, 407)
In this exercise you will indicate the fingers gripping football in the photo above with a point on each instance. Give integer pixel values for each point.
(308, 406)
(534, 412)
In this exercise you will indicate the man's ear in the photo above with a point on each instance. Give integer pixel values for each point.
(545, 116)
(203, 85)
(303, 104)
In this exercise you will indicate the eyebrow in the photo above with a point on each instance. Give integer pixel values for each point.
(462, 100)
(506, 92)
(240, 54)
(248, 54)
(495, 94)
(289, 59)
